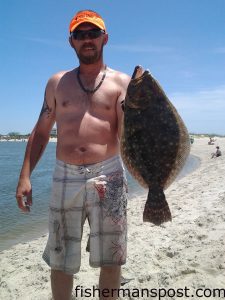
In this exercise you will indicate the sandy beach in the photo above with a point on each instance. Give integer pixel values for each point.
(188, 252)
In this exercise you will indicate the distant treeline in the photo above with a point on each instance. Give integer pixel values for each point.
(206, 134)
(19, 136)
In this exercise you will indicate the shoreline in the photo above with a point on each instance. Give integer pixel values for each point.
(24, 140)
(187, 252)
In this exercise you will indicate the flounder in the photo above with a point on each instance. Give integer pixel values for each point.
(154, 142)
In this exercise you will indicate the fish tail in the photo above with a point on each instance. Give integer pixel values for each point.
(156, 207)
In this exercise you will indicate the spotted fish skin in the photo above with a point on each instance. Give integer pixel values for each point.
(154, 142)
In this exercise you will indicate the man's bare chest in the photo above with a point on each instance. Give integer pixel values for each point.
(73, 100)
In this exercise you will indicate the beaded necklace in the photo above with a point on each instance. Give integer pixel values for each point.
(89, 91)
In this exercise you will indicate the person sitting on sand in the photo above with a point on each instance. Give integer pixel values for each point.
(191, 139)
(217, 153)
(211, 141)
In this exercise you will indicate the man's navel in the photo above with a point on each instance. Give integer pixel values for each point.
(82, 149)
(66, 103)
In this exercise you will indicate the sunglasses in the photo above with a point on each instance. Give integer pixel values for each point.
(89, 34)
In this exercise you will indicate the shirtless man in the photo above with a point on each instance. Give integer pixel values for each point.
(88, 181)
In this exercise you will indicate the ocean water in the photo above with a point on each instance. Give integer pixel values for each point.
(16, 226)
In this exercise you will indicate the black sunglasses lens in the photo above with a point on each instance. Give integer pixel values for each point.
(94, 34)
(90, 34)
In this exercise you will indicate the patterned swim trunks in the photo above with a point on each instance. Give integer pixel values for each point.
(97, 192)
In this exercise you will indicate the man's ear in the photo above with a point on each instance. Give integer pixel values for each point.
(106, 38)
(70, 41)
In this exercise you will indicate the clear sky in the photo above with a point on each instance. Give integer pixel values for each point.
(182, 43)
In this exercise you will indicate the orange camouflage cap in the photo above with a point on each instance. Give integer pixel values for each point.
(87, 16)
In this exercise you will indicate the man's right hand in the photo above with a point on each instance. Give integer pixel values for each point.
(24, 194)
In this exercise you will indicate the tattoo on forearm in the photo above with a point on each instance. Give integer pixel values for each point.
(45, 108)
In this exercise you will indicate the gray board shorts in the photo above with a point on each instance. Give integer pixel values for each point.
(97, 192)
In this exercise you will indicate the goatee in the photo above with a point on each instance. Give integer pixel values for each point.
(88, 60)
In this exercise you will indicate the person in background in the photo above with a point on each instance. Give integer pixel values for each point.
(211, 141)
(89, 180)
(217, 153)
(192, 139)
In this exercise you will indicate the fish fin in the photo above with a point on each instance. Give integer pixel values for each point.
(138, 72)
(156, 207)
